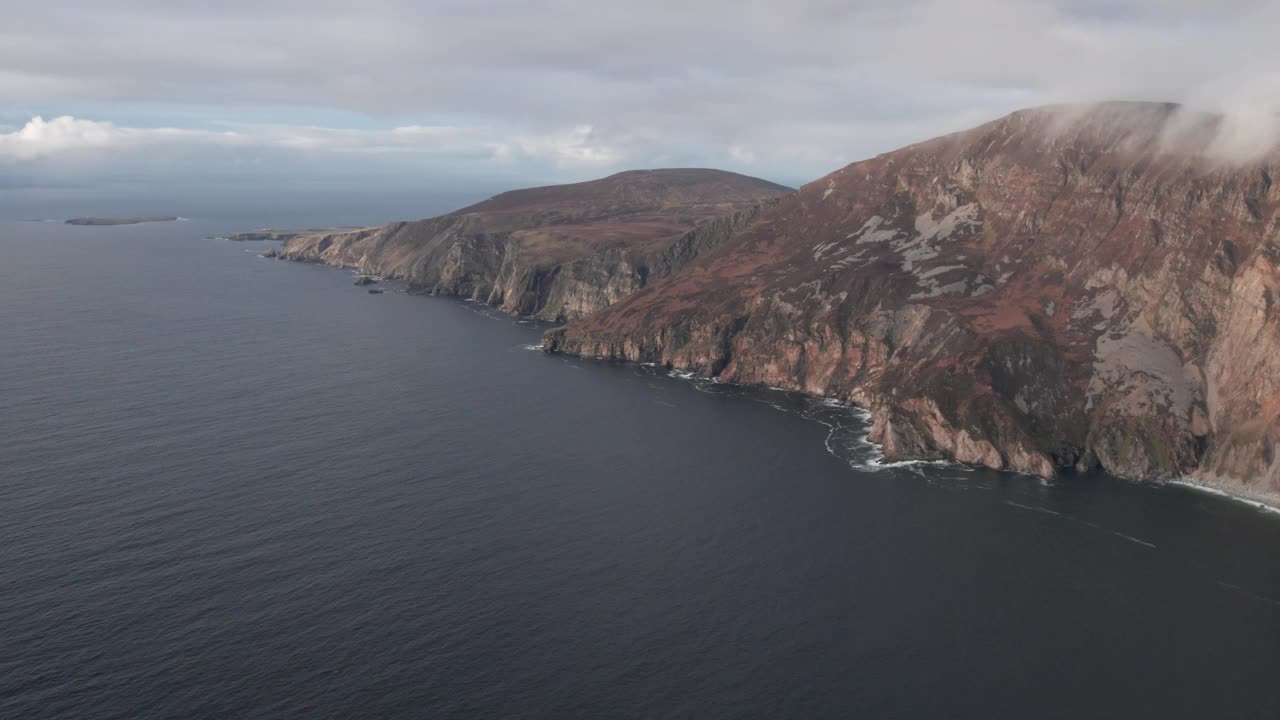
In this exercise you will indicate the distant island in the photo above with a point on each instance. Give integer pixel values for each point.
(118, 221)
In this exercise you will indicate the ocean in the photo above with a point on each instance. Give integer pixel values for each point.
(233, 487)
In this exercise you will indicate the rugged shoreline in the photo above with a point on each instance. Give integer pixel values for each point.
(852, 401)
(1258, 501)
(1057, 290)
(1054, 290)
(1266, 502)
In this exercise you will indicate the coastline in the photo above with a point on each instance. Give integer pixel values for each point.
(1260, 501)
(1269, 504)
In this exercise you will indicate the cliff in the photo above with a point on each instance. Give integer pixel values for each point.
(1064, 287)
(556, 252)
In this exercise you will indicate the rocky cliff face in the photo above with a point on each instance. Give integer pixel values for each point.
(555, 252)
(1072, 286)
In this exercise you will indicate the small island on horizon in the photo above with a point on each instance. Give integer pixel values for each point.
(119, 220)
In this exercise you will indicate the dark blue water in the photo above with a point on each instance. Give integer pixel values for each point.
(241, 488)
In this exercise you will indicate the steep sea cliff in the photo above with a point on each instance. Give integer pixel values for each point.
(558, 252)
(1081, 287)
(495, 268)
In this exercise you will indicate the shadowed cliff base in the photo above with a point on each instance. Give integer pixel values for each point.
(1072, 286)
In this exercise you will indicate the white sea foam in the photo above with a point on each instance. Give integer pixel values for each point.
(1249, 593)
(1095, 526)
(858, 451)
(1130, 538)
(1201, 487)
(1034, 508)
(919, 463)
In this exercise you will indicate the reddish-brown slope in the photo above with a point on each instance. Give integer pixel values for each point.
(1064, 286)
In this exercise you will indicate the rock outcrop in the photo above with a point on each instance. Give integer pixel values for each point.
(1065, 287)
(557, 252)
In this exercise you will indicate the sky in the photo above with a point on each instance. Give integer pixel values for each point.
(239, 98)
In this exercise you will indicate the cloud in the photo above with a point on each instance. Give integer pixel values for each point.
(66, 148)
(579, 147)
(533, 56)
(66, 134)
(554, 89)
(407, 138)
(741, 155)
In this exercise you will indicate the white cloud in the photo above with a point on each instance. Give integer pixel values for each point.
(741, 155)
(556, 88)
(407, 138)
(66, 134)
(579, 147)
(71, 149)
